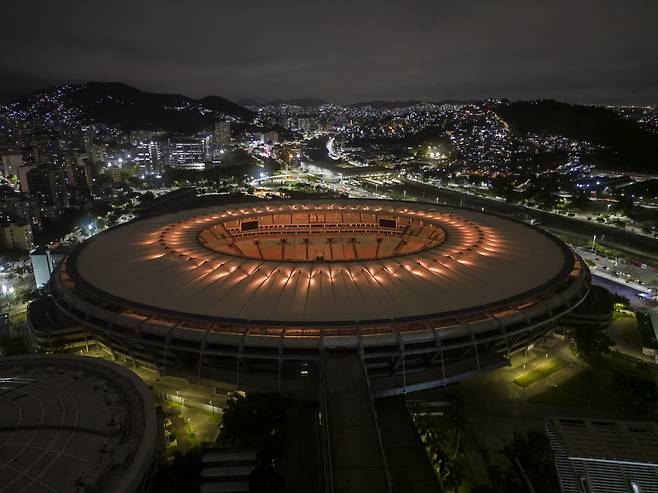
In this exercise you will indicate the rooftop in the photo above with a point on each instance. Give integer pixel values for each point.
(71, 423)
(616, 441)
(330, 261)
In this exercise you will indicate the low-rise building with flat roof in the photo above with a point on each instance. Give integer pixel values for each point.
(604, 456)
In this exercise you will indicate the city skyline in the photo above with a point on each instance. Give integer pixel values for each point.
(590, 52)
(304, 247)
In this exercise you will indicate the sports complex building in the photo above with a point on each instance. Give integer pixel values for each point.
(72, 424)
(259, 293)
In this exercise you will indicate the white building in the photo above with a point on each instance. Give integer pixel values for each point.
(598, 455)
(44, 262)
(16, 236)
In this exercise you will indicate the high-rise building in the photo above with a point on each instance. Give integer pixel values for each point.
(307, 124)
(11, 163)
(222, 134)
(220, 139)
(78, 170)
(90, 173)
(18, 207)
(98, 152)
(32, 153)
(147, 157)
(183, 151)
(285, 122)
(22, 177)
(271, 137)
(16, 236)
(88, 136)
(48, 185)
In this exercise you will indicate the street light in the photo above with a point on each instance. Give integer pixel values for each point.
(6, 291)
(593, 243)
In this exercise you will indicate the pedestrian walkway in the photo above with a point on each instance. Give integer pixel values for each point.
(409, 468)
(356, 455)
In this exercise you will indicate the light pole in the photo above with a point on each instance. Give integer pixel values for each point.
(593, 243)
(6, 291)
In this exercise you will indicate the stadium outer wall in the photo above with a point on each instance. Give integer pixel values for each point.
(405, 355)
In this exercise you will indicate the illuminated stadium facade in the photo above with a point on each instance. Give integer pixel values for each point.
(256, 293)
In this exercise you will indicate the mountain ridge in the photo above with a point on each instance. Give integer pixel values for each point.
(116, 103)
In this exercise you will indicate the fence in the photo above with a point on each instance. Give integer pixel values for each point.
(191, 403)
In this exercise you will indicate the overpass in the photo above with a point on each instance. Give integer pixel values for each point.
(638, 244)
(367, 445)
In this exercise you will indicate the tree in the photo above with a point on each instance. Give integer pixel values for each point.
(447, 462)
(483, 488)
(265, 479)
(532, 453)
(591, 340)
(182, 475)
(12, 346)
(580, 202)
(450, 470)
(31, 295)
(626, 204)
(618, 299)
(502, 186)
(146, 197)
(248, 420)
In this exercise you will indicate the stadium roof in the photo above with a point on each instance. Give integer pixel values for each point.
(385, 261)
(72, 423)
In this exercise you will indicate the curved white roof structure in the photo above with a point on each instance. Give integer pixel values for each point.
(71, 423)
(169, 262)
(271, 285)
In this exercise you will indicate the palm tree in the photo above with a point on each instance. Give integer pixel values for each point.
(450, 470)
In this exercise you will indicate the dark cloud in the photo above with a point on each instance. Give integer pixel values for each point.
(589, 51)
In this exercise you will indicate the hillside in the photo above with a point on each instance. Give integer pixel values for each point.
(628, 146)
(121, 105)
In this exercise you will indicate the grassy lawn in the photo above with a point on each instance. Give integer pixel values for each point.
(619, 314)
(610, 383)
(544, 369)
(175, 405)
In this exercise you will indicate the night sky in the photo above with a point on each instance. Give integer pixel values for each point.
(579, 51)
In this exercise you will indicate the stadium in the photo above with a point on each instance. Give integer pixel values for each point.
(257, 294)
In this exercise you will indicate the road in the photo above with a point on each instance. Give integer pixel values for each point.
(620, 271)
(621, 290)
(641, 245)
(321, 151)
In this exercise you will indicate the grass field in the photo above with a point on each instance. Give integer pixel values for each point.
(610, 383)
(544, 369)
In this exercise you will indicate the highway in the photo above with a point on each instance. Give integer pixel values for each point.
(640, 245)
(637, 244)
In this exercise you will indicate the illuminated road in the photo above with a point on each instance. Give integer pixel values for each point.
(331, 151)
(614, 237)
